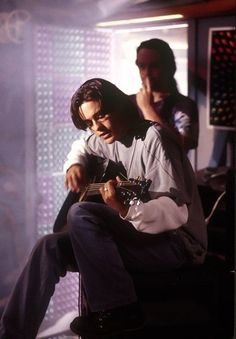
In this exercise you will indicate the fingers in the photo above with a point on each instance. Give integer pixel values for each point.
(72, 184)
(118, 179)
(108, 189)
(111, 198)
(75, 178)
(146, 85)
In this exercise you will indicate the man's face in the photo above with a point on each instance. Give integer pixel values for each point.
(106, 126)
(149, 64)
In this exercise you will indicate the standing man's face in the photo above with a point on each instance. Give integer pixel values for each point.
(105, 125)
(148, 62)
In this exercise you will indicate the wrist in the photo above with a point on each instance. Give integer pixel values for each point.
(123, 211)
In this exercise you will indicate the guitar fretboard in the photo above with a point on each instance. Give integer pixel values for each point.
(133, 189)
(94, 187)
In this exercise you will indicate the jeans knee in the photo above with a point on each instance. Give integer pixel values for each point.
(44, 245)
(73, 212)
(76, 211)
(81, 215)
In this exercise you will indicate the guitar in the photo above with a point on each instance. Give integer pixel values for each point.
(130, 191)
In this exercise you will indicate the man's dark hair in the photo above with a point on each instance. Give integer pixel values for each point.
(167, 58)
(112, 99)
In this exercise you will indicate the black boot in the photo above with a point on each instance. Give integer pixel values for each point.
(110, 322)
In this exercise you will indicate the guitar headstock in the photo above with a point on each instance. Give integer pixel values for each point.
(133, 191)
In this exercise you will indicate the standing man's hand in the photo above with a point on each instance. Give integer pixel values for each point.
(75, 178)
(144, 99)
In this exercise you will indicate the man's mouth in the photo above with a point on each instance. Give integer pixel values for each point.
(105, 135)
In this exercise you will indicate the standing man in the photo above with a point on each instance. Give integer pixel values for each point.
(158, 100)
(164, 231)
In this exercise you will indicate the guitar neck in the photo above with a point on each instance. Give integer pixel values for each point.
(93, 188)
(128, 191)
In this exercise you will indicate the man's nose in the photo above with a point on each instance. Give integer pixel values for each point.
(95, 125)
(147, 71)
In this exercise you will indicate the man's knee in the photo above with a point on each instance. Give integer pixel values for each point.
(76, 211)
(73, 212)
(46, 244)
(82, 216)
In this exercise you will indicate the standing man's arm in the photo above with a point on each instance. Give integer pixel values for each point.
(185, 117)
(145, 100)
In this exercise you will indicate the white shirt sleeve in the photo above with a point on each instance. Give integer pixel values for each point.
(187, 128)
(77, 150)
(182, 122)
(158, 215)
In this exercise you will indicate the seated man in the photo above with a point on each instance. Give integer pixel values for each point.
(108, 241)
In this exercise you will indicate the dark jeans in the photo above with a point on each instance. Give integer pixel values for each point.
(105, 250)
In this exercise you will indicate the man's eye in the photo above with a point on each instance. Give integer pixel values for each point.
(101, 116)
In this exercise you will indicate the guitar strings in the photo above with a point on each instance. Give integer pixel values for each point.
(96, 186)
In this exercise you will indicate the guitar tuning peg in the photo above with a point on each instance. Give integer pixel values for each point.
(138, 180)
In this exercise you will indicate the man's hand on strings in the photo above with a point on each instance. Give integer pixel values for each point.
(75, 178)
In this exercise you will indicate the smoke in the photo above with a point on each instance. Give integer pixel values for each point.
(107, 8)
(17, 234)
(84, 12)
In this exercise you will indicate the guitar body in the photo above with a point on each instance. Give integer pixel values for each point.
(104, 171)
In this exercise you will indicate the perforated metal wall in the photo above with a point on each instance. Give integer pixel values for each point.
(63, 58)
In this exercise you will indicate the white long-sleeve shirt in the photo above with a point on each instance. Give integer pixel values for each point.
(151, 217)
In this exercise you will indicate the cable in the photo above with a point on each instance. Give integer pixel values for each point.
(214, 207)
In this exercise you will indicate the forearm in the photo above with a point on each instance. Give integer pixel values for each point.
(157, 216)
(149, 113)
(75, 155)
